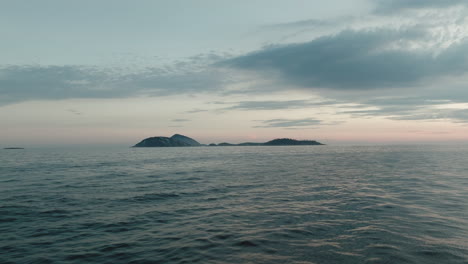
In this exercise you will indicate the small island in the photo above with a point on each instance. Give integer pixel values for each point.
(13, 148)
(178, 140)
(174, 141)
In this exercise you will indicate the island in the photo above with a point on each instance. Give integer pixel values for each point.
(174, 141)
(178, 140)
(13, 148)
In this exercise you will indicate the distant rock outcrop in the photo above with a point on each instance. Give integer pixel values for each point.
(174, 141)
(13, 148)
(274, 142)
(225, 144)
(178, 140)
(290, 142)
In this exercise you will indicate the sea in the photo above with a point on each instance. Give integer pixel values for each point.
(253, 204)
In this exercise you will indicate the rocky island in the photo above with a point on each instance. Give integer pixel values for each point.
(174, 141)
(178, 140)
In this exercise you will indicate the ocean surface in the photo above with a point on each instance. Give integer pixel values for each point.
(300, 204)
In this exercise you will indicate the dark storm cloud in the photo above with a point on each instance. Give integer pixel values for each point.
(356, 60)
(290, 123)
(391, 6)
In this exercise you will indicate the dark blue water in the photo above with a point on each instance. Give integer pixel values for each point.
(303, 204)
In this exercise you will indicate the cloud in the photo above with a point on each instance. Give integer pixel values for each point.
(277, 105)
(195, 111)
(39, 82)
(312, 23)
(153, 83)
(180, 120)
(18, 83)
(453, 115)
(392, 6)
(374, 58)
(286, 123)
(408, 64)
(411, 108)
(357, 60)
(75, 112)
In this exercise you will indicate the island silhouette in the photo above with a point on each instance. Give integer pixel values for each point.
(178, 140)
(13, 148)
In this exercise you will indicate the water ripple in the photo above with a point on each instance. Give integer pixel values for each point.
(397, 204)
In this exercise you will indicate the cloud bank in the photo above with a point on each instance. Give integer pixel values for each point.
(277, 104)
(288, 123)
(41, 82)
(392, 6)
(357, 60)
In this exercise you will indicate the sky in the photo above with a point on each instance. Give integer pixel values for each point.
(114, 72)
